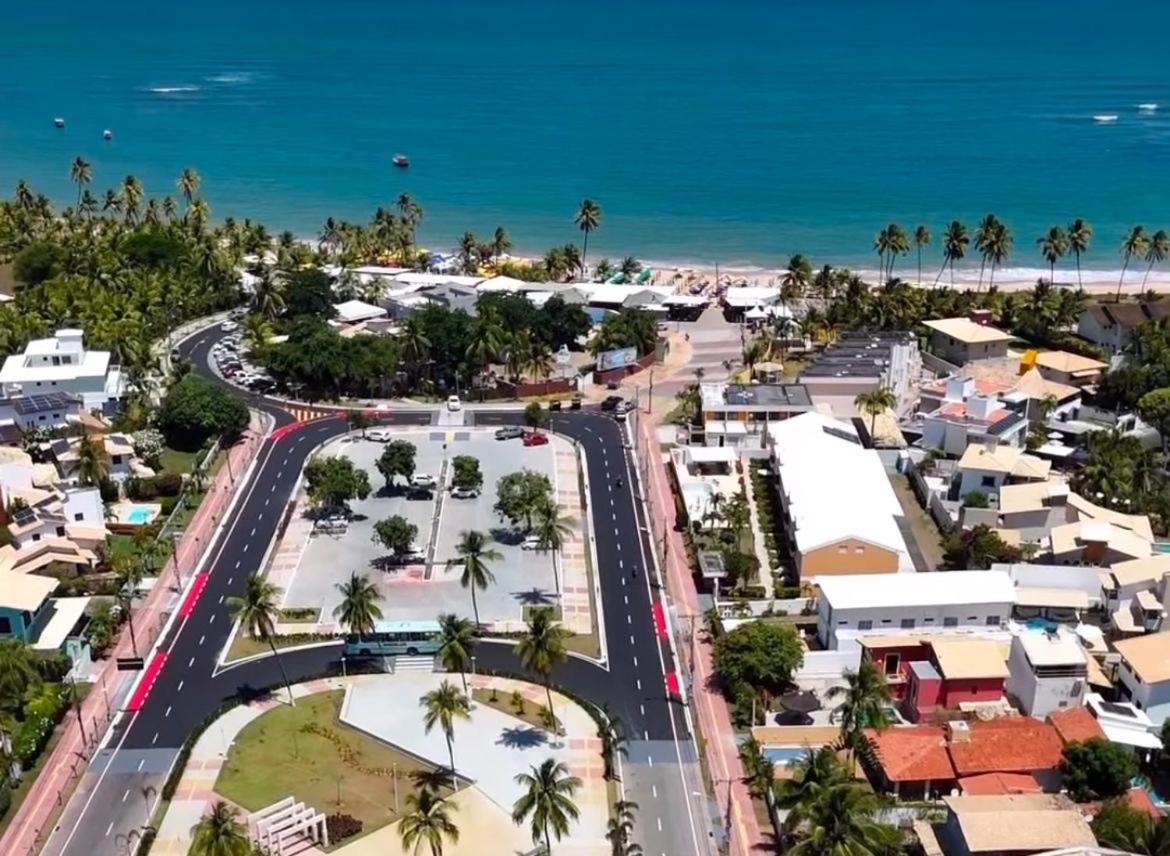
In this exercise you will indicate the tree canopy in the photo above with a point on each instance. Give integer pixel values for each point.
(396, 534)
(629, 328)
(397, 459)
(195, 409)
(1097, 769)
(333, 481)
(520, 495)
(466, 472)
(760, 655)
(977, 548)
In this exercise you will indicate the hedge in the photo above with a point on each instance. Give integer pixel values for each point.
(145, 489)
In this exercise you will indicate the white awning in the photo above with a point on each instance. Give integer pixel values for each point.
(1130, 736)
(67, 611)
(1063, 598)
(712, 454)
(719, 426)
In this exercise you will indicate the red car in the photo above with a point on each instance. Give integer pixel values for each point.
(535, 438)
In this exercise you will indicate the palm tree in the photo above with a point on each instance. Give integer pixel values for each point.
(501, 243)
(473, 548)
(588, 219)
(443, 706)
(132, 193)
(999, 247)
(863, 701)
(1053, 245)
(759, 769)
(620, 828)
(813, 773)
(81, 173)
(188, 184)
(921, 241)
(898, 244)
(955, 243)
(220, 833)
(1135, 244)
(1156, 252)
(257, 332)
(797, 275)
(983, 233)
(1080, 236)
(358, 610)
(18, 674)
(542, 648)
(257, 612)
(457, 642)
(428, 820)
(873, 402)
(614, 741)
(551, 530)
(267, 294)
(548, 799)
(881, 245)
(629, 267)
(92, 466)
(841, 821)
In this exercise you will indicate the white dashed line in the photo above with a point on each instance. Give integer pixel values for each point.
(191, 662)
(659, 824)
(631, 640)
(629, 620)
(265, 503)
(639, 683)
(179, 688)
(125, 795)
(642, 708)
(237, 566)
(654, 790)
(168, 713)
(212, 619)
(626, 598)
(245, 548)
(635, 662)
(253, 535)
(155, 739)
(615, 529)
(109, 828)
(141, 763)
(201, 638)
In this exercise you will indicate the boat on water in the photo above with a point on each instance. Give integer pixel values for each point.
(1105, 118)
(1147, 107)
(107, 134)
(58, 122)
(401, 160)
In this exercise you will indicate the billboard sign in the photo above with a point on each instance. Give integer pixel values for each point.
(619, 359)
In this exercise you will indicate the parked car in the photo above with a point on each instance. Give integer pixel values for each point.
(453, 403)
(379, 435)
(464, 492)
(229, 326)
(535, 438)
(624, 406)
(611, 402)
(237, 313)
(530, 543)
(422, 480)
(415, 491)
(509, 433)
(331, 525)
(619, 416)
(413, 556)
(576, 405)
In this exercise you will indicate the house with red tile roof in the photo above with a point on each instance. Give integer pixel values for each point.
(1075, 724)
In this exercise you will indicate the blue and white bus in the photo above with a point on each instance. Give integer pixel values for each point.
(393, 638)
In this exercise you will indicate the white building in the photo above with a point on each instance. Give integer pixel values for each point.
(119, 447)
(853, 604)
(737, 414)
(987, 467)
(1048, 671)
(1144, 674)
(51, 410)
(61, 363)
(965, 415)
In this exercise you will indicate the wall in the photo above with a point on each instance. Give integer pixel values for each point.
(930, 617)
(938, 365)
(850, 556)
(971, 689)
(88, 503)
(625, 371)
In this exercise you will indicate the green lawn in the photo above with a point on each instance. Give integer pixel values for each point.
(176, 461)
(307, 753)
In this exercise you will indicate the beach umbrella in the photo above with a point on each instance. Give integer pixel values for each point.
(799, 701)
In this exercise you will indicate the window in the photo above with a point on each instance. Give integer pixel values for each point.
(993, 621)
(928, 621)
(842, 550)
(78, 516)
(842, 623)
(859, 550)
(885, 621)
(865, 624)
(950, 621)
(892, 661)
(987, 481)
(56, 361)
(60, 531)
(971, 619)
(36, 536)
(907, 623)
(5, 626)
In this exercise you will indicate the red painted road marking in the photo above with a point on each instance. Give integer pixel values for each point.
(194, 593)
(659, 619)
(147, 682)
(672, 684)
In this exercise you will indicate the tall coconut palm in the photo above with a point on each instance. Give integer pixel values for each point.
(18, 674)
(358, 610)
(81, 174)
(620, 829)
(614, 741)
(132, 193)
(922, 239)
(810, 775)
(873, 402)
(188, 184)
(220, 833)
(257, 612)
(1156, 252)
(795, 279)
(983, 232)
(542, 647)
(1135, 244)
(1053, 245)
(547, 801)
(268, 294)
(501, 243)
(999, 247)
(864, 698)
(881, 245)
(1080, 237)
(840, 821)
(427, 821)
(552, 529)
(442, 707)
(92, 464)
(759, 769)
(955, 243)
(456, 644)
(474, 550)
(588, 219)
(899, 244)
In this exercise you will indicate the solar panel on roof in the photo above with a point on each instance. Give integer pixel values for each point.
(1117, 709)
(24, 516)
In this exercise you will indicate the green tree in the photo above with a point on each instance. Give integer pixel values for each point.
(92, 465)
(922, 238)
(976, 549)
(1154, 408)
(863, 700)
(1136, 243)
(1120, 826)
(475, 554)
(457, 644)
(358, 610)
(359, 420)
(332, 481)
(614, 741)
(427, 820)
(535, 416)
(501, 243)
(811, 775)
(588, 219)
(443, 707)
(1080, 238)
(620, 829)
(552, 529)
(521, 495)
(841, 820)
(1156, 253)
(759, 656)
(873, 403)
(955, 243)
(308, 292)
(220, 833)
(18, 675)
(976, 499)
(396, 534)
(1053, 245)
(257, 611)
(1097, 769)
(759, 770)
(542, 647)
(195, 409)
(466, 472)
(81, 174)
(397, 459)
(547, 800)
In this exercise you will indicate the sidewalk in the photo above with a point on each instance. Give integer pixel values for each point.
(714, 719)
(60, 775)
(487, 749)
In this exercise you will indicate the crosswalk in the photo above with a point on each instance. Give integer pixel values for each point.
(302, 413)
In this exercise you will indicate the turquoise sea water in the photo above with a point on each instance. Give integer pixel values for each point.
(732, 131)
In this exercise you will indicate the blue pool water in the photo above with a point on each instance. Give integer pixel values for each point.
(784, 755)
(1147, 786)
(141, 514)
(1040, 624)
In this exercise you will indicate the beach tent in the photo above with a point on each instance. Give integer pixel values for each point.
(756, 313)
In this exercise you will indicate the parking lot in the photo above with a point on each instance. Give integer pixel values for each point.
(424, 589)
(232, 364)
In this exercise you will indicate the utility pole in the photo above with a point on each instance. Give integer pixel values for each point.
(77, 711)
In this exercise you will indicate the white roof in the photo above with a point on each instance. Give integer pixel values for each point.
(66, 613)
(835, 487)
(687, 300)
(1062, 648)
(93, 364)
(379, 270)
(751, 296)
(711, 454)
(505, 283)
(941, 588)
(1069, 598)
(436, 279)
(357, 310)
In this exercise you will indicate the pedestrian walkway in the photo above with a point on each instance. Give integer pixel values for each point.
(490, 749)
(576, 602)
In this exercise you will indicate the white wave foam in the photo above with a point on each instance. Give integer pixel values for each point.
(172, 90)
(232, 77)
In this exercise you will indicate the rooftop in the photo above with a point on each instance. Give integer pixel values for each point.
(65, 612)
(916, 754)
(1072, 537)
(1075, 724)
(1146, 569)
(969, 658)
(755, 395)
(25, 592)
(967, 331)
(1052, 649)
(859, 591)
(1069, 363)
(1013, 744)
(999, 784)
(1009, 460)
(1147, 656)
(1037, 822)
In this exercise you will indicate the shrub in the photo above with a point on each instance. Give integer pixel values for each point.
(42, 713)
(342, 826)
(109, 490)
(168, 504)
(5, 799)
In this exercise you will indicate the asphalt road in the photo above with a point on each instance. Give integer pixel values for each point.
(124, 778)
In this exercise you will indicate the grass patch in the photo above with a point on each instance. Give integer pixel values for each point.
(307, 753)
(589, 645)
(300, 615)
(505, 703)
(247, 646)
(178, 461)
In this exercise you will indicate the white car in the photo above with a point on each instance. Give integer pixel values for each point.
(229, 326)
(379, 435)
(422, 480)
(453, 403)
(530, 543)
(464, 492)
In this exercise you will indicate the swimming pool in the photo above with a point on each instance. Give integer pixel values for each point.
(784, 755)
(1141, 781)
(140, 515)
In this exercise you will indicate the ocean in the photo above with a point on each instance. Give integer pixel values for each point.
(734, 132)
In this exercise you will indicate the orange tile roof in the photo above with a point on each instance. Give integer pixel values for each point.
(913, 754)
(1075, 724)
(1017, 744)
(999, 784)
(1140, 800)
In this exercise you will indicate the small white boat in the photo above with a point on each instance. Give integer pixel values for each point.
(1147, 107)
(59, 122)
(1105, 118)
(107, 134)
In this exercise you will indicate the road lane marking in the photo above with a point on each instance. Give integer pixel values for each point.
(109, 829)
(141, 763)
(659, 824)
(626, 598)
(191, 662)
(253, 534)
(654, 790)
(179, 688)
(265, 503)
(238, 565)
(631, 639)
(642, 708)
(639, 683)
(245, 548)
(125, 795)
(629, 620)
(230, 580)
(212, 619)
(168, 713)
(201, 638)
(154, 739)
(221, 598)
(635, 662)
